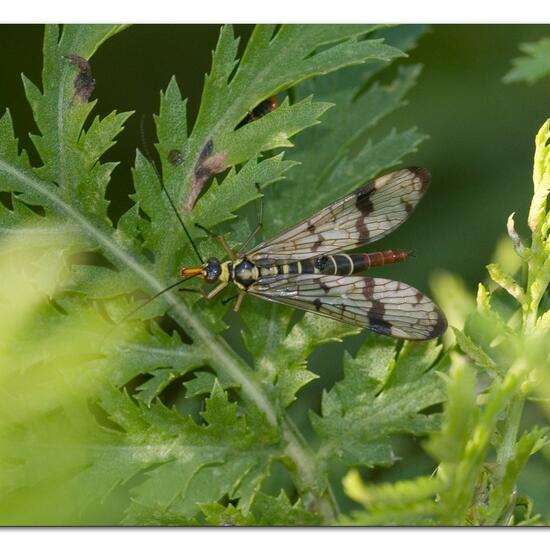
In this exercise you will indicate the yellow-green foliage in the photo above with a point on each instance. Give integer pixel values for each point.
(481, 450)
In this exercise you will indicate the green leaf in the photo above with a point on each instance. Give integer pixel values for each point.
(402, 493)
(476, 353)
(401, 503)
(180, 457)
(382, 393)
(270, 132)
(534, 65)
(480, 450)
(454, 298)
(239, 188)
(274, 60)
(506, 282)
(459, 418)
(265, 510)
(203, 383)
(281, 352)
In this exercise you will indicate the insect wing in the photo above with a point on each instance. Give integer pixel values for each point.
(381, 305)
(361, 217)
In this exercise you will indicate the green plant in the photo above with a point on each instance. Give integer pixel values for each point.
(534, 65)
(481, 449)
(168, 417)
(103, 435)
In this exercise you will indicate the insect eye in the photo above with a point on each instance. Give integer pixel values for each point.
(212, 270)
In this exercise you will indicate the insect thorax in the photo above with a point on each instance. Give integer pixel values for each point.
(244, 273)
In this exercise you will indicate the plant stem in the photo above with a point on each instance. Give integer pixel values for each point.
(324, 504)
(509, 437)
(468, 470)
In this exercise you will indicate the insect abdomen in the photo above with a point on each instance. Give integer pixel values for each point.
(335, 264)
(346, 264)
(363, 262)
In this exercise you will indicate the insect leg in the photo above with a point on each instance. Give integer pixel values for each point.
(220, 239)
(260, 209)
(215, 291)
(239, 301)
(200, 291)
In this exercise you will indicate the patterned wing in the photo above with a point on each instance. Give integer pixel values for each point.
(362, 217)
(381, 305)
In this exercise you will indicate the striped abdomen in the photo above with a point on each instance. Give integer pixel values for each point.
(337, 264)
(346, 264)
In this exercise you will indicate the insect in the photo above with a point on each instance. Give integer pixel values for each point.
(262, 109)
(175, 157)
(305, 266)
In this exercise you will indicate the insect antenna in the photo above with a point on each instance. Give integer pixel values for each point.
(154, 297)
(150, 158)
(181, 221)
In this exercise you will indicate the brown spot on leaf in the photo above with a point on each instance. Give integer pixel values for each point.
(206, 151)
(84, 83)
(208, 164)
(215, 163)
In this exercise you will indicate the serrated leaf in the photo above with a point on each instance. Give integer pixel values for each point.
(239, 188)
(274, 60)
(361, 412)
(534, 65)
(86, 359)
(387, 495)
(280, 354)
(265, 510)
(459, 419)
(202, 383)
(271, 131)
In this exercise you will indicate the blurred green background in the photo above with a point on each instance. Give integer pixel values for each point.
(479, 152)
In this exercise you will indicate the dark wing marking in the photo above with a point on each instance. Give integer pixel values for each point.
(362, 217)
(381, 305)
